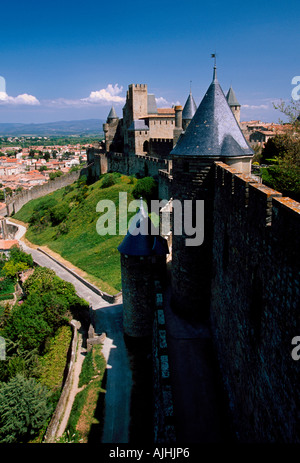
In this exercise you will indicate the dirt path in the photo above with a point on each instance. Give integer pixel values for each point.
(80, 355)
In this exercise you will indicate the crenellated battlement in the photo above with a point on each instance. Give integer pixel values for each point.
(242, 191)
(162, 140)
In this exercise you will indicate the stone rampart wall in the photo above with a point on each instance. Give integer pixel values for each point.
(15, 203)
(255, 304)
(53, 426)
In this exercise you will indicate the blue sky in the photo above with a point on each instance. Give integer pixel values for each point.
(64, 60)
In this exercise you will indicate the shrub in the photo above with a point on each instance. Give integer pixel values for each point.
(108, 180)
(69, 188)
(63, 228)
(81, 181)
(17, 255)
(56, 174)
(11, 268)
(59, 213)
(146, 188)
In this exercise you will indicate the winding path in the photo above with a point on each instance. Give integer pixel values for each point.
(108, 319)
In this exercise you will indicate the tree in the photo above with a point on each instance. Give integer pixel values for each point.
(11, 268)
(46, 156)
(27, 324)
(282, 152)
(17, 255)
(24, 409)
(53, 175)
(146, 188)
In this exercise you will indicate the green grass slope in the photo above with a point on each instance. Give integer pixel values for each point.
(65, 221)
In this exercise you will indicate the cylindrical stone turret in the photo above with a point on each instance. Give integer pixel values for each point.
(143, 260)
(178, 124)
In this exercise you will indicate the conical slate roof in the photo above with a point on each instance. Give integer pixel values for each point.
(139, 241)
(213, 131)
(112, 114)
(231, 98)
(190, 108)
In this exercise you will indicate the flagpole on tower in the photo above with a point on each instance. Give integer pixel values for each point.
(214, 55)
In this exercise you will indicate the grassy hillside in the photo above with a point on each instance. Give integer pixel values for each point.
(65, 221)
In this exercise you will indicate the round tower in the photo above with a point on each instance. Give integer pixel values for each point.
(110, 129)
(143, 261)
(212, 135)
(189, 110)
(178, 124)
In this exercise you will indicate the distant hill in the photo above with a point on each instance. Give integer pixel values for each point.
(83, 127)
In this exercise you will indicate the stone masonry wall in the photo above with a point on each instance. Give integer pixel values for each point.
(15, 203)
(255, 305)
(139, 165)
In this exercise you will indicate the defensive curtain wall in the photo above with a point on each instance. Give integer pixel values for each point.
(14, 204)
(255, 304)
(139, 165)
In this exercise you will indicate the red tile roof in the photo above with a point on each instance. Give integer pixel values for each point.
(7, 244)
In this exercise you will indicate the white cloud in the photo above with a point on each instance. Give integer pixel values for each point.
(110, 94)
(161, 101)
(23, 99)
(261, 106)
(103, 97)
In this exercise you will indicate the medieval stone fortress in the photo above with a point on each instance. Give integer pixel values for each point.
(243, 280)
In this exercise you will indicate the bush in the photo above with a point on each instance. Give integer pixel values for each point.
(108, 180)
(82, 181)
(6, 286)
(11, 268)
(146, 188)
(69, 188)
(48, 305)
(285, 179)
(56, 174)
(59, 213)
(63, 229)
(17, 255)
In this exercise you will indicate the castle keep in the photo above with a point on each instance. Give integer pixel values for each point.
(243, 280)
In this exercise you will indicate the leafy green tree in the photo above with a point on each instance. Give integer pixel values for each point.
(27, 324)
(24, 409)
(8, 191)
(11, 268)
(146, 188)
(46, 156)
(17, 255)
(53, 175)
(282, 152)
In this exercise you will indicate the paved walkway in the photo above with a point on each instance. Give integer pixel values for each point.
(199, 411)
